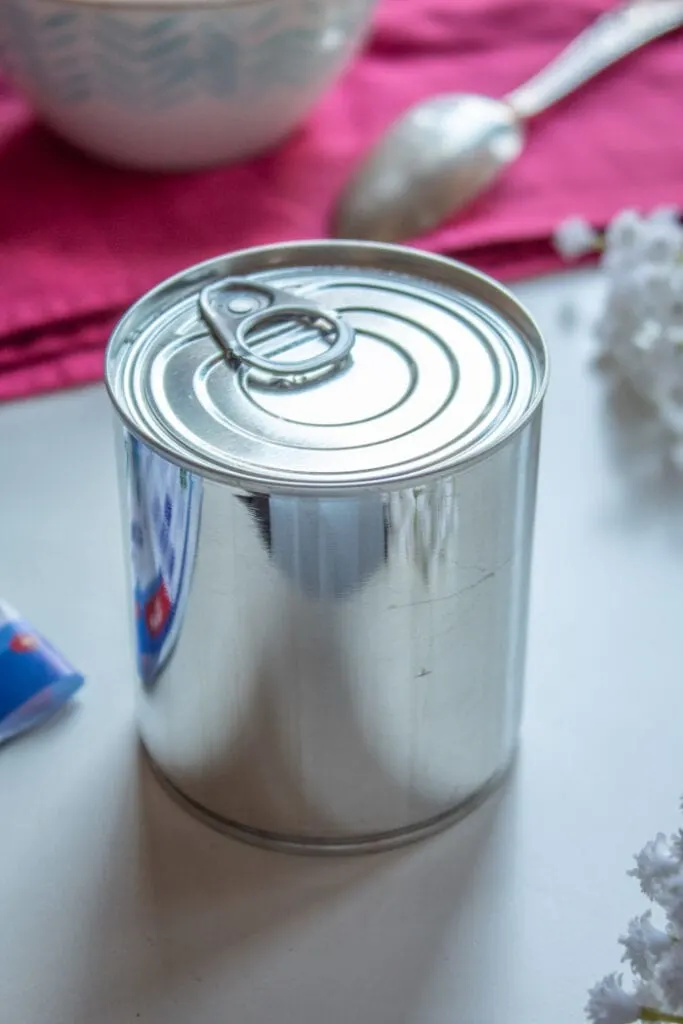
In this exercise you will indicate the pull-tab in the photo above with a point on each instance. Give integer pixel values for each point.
(238, 310)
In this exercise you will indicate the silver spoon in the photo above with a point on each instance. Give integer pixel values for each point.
(446, 150)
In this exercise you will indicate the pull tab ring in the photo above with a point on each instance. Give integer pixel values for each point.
(236, 308)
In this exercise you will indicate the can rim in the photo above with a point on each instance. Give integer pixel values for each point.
(329, 252)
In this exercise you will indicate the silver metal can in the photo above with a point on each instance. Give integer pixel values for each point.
(329, 455)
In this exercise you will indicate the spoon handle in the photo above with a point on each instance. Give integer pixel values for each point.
(614, 34)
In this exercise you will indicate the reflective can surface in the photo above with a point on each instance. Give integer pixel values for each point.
(329, 468)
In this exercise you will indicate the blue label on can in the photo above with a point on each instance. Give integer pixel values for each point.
(164, 503)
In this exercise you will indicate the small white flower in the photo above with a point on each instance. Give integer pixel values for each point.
(620, 318)
(624, 230)
(665, 215)
(647, 336)
(668, 894)
(644, 944)
(655, 863)
(669, 977)
(652, 282)
(609, 1003)
(663, 245)
(675, 312)
(574, 238)
(623, 241)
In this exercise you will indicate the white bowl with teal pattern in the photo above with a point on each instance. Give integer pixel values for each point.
(177, 84)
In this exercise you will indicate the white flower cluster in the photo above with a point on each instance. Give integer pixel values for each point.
(641, 327)
(654, 955)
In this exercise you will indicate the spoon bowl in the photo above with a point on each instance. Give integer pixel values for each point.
(445, 151)
(435, 158)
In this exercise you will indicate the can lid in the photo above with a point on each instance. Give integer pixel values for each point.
(326, 366)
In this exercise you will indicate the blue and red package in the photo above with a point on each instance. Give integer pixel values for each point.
(35, 679)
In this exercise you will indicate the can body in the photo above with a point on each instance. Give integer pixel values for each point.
(338, 671)
(333, 660)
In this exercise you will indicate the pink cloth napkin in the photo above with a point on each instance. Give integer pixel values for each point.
(79, 241)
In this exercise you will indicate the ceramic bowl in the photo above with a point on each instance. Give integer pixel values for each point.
(177, 84)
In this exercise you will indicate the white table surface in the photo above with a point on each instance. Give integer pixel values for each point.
(116, 907)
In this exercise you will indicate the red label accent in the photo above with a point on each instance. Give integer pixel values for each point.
(157, 611)
(22, 642)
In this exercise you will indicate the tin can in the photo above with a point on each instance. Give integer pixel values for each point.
(329, 455)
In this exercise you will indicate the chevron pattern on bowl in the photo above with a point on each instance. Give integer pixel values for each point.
(170, 71)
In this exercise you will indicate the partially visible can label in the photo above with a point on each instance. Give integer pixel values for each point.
(165, 507)
(35, 679)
